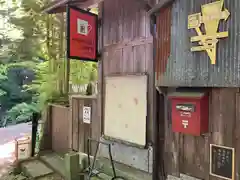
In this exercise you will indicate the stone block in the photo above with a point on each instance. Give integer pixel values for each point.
(72, 169)
(35, 169)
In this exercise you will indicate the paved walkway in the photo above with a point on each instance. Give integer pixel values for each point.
(7, 145)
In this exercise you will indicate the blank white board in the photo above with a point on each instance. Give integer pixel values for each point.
(126, 108)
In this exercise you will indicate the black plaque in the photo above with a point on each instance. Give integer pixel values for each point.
(221, 161)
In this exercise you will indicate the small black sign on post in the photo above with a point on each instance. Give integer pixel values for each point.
(222, 161)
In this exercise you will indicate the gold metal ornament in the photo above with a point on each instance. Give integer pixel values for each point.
(210, 17)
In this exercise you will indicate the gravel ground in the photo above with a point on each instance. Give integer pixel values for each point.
(13, 177)
(7, 148)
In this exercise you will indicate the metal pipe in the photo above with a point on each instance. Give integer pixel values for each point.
(155, 124)
(156, 146)
(111, 159)
(101, 67)
(94, 161)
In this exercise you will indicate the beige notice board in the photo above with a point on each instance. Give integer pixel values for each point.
(126, 108)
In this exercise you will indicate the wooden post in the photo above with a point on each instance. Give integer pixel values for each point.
(68, 60)
(72, 166)
(46, 140)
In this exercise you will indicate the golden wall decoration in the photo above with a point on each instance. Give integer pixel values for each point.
(206, 25)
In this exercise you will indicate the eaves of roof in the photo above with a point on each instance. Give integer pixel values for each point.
(59, 6)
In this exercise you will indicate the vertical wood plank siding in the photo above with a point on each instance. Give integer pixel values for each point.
(60, 128)
(82, 131)
(128, 44)
(189, 154)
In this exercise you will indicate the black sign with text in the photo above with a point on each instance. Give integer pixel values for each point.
(222, 161)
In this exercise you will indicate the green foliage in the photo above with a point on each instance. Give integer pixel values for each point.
(83, 72)
(22, 45)
(44, 85)
(33, 45)
(20, 113)
(12, 95)
(30, 21)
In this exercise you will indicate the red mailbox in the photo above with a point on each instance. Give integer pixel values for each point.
(189, 112)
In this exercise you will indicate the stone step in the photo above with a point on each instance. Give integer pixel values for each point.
(35, 169)
(129, 173)
(13, 177)
(54, 161)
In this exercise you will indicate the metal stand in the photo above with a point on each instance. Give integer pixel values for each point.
(91, 168)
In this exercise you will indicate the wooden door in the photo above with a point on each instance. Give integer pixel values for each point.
(82, 130)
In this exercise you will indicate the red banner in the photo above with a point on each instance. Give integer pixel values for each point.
(82, 31)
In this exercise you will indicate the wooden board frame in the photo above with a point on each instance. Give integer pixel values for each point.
(233, 162)
(147, 99)
(68, 8)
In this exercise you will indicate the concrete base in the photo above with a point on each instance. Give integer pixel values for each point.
(132, 156)
(122, 170)
(70, 168)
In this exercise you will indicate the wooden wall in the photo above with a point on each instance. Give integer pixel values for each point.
(82, 131)
(190, 155)
(127, 44)
(60, 128)
(64, 129)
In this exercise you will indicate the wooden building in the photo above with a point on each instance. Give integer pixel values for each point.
(126, 80)
(182, 67)
(148, 54)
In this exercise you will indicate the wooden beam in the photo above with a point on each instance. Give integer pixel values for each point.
(121, 45)
(55, 5)
(90, 3)
(60, 6)
(148, 6)
(145, 3)
(158, 6)
(148, 3)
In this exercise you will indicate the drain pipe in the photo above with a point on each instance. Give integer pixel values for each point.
(155, 122)
(156, 146)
